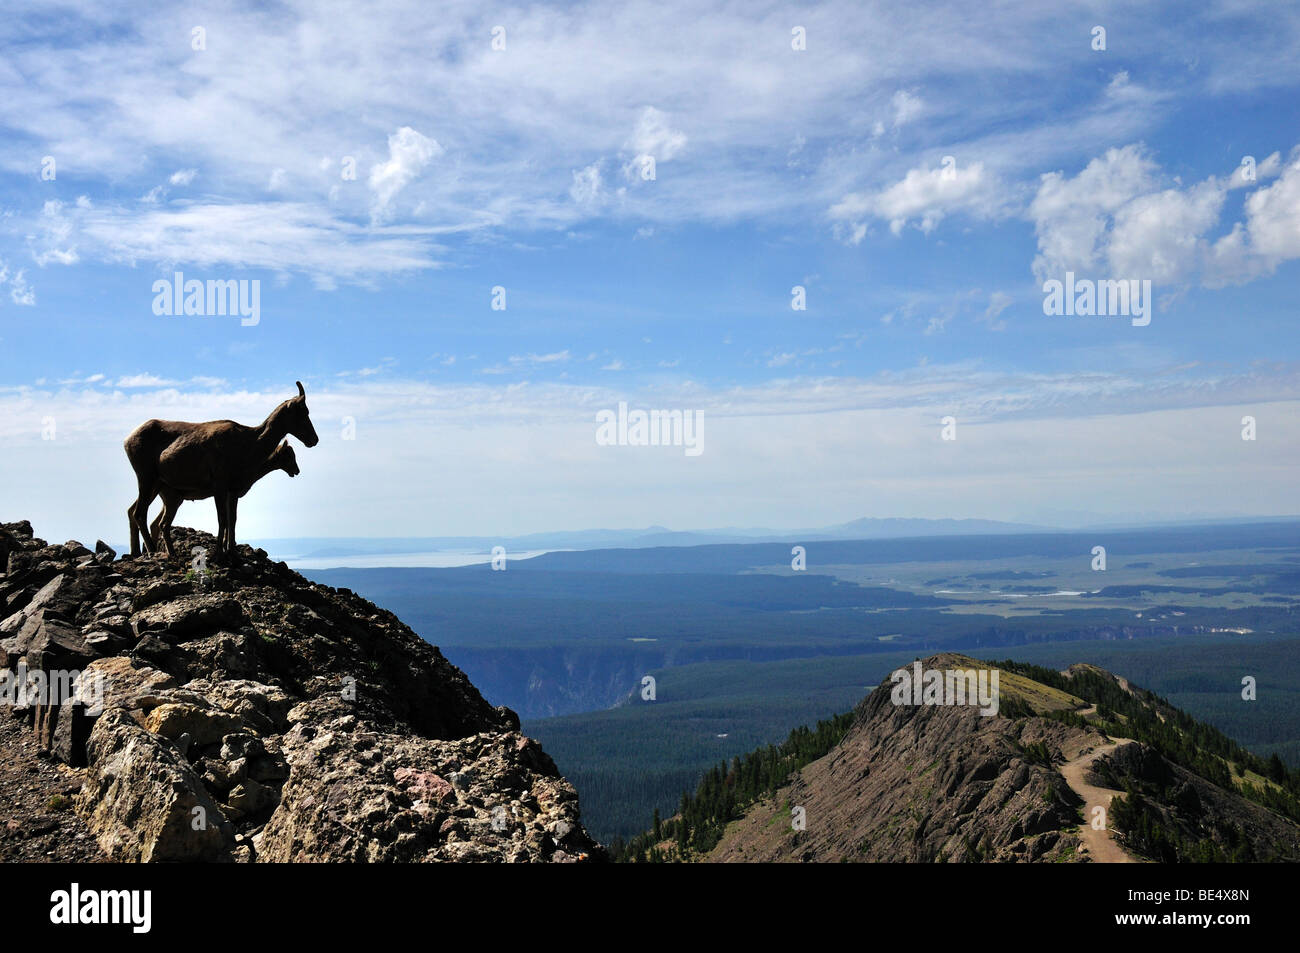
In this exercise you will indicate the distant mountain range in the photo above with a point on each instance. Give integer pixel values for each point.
(865, 528)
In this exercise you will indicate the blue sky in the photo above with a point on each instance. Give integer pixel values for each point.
(774, 167)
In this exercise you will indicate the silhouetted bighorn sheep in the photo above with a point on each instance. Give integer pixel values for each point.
(195, 461)
(281, 458)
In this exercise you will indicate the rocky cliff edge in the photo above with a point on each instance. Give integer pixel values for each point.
(198, 710)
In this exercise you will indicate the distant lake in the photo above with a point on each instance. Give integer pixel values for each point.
(443, 559)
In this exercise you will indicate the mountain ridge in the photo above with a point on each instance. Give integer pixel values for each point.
(235, 711)
(934, 782)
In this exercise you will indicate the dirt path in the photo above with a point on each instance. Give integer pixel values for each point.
(1101, 845)
(36, 818)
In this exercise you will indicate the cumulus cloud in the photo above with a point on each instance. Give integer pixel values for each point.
(653, 136)
(408, 153)
(1269, 235)
(1072, 215)
(924, 196)
(134, 115)
(653, 142)
(1119, 217)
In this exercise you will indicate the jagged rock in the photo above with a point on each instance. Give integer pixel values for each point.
(225, 655)
(125, 683)
(189, 614)
(106, 551)
(327, 728)
(424, 785)
(46, 641)
(203, 725)
(144, 802)
(262, 707)
(369, 796)
(252, 797)
(71, 732)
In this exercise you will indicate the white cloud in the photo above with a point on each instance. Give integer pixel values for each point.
(53, 230)
(556, 357)
(654, 137)
(1268, 236)
(1117, 217)
(1081, 428)
(144, 380)
(726, 109)
(287, 237)
(408, 153)
(1071, 215)
(19, 291)
(923, 195)
(999, 301)
(1265, 169)
(907, 107)
(586, 185)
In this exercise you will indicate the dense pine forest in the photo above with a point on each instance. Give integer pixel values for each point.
(726, 791)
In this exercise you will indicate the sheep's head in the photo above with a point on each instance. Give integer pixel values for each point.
(285, 459)
(299, 419)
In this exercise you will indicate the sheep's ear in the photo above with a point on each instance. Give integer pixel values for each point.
(301, 392)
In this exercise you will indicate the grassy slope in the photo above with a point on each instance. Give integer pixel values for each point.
(627, 761)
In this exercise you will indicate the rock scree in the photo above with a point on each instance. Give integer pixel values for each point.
(240, 712)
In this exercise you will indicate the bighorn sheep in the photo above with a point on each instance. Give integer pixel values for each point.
(281, 458)
(198, 460)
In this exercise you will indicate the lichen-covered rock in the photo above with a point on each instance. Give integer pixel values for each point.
(203, 725)
(124, 683)
(144, 802)
(355, 795)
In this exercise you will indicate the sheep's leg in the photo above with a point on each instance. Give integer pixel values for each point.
(232, 504)
(140, 518)
(157, 522)
(135, 530)
(168, 515)
(220, 501)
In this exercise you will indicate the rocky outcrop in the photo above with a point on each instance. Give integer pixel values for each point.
(925, 783)
(240, 712)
